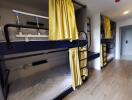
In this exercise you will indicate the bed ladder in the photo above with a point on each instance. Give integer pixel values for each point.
(81, 51)
(104, 55)
(87, 46)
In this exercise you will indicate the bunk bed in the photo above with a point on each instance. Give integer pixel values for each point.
(107, 44)
(9, 47)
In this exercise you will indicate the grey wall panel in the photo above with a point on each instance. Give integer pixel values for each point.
(81, 19)
(7, 17)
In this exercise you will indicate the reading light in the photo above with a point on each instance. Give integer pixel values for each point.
(126, 12)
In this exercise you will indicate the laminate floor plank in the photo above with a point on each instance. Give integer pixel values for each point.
(114, 82)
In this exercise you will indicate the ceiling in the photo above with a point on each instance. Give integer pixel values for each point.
(109, 8)
(106, 7)
(40, 4)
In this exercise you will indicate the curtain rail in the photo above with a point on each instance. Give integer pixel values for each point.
(39, 16)
(29, 14)
(75, 2)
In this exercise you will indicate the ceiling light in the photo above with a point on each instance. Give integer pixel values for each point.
(126, 12)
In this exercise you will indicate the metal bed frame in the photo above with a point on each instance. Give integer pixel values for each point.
(8, 47)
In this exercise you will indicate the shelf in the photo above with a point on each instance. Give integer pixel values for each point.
(31, 36)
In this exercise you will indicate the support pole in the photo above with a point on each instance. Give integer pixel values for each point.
(29, 14)
(1, 94)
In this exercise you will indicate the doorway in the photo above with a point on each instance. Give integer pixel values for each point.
(126, 43)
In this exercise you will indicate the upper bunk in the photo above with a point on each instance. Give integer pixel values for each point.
(110, 40)
(33, 36)
(30, 33)
(12, 46)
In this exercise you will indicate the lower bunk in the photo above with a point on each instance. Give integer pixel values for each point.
(45, 85)
(50, 84)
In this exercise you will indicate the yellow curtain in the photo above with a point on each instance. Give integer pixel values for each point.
(62, 26)
(75, 68)
(107, 28)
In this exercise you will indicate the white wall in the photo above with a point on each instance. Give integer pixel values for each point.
(118, 35)
(82, 15)
(95, 25)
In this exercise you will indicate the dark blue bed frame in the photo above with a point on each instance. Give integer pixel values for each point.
(21, 47)
(8, 47)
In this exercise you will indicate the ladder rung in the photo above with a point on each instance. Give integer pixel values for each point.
(104, 49)
(83, 46)
(83, 59)
(104, 56)
(104, 63)
(83, 67)
(104, 59)
(83, 51)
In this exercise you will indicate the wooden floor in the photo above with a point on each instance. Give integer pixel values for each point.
(114, 82)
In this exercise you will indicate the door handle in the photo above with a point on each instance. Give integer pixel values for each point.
(126, 41)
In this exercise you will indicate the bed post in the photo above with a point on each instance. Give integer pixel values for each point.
(4, 85)
(1, 94)
(1, 90)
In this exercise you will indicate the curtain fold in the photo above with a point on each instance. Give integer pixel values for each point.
(75, 68)
(107, 28)
(62, 26)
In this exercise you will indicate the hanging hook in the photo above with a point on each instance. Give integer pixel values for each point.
(38, 25)
(18, 23)
(18, 20)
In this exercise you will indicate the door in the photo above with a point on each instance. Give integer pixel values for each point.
(127, 42)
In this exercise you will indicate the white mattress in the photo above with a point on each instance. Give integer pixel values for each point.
(43, 86)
